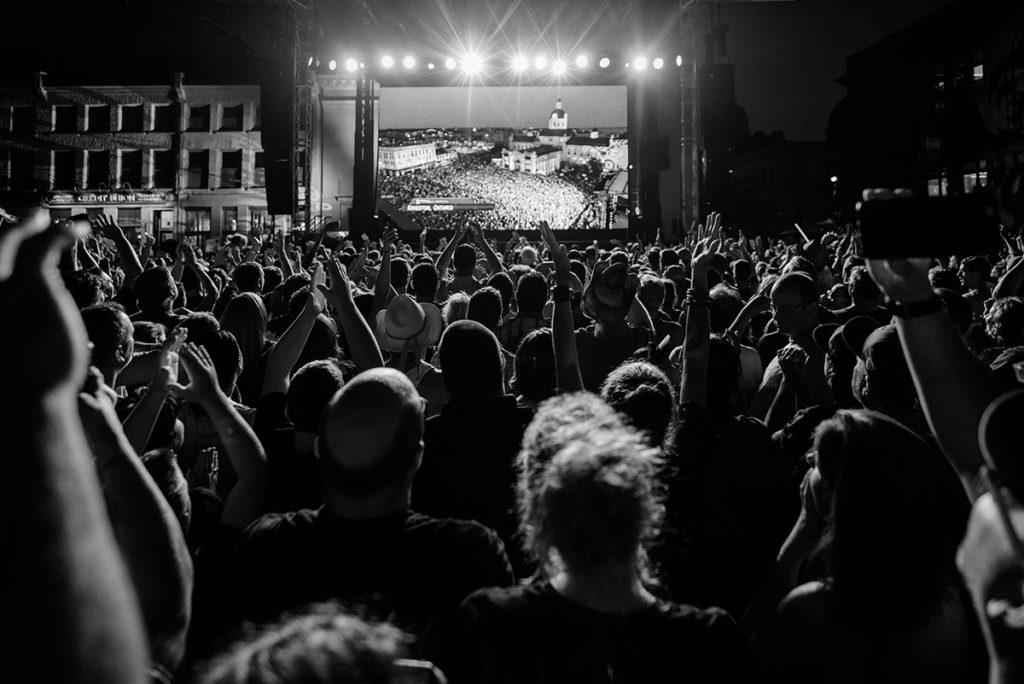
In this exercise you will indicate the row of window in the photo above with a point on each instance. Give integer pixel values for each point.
(64, 170)
(197, 219)
(129, 119)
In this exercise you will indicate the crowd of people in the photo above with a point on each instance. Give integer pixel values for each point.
(520, 199)
(722, 459)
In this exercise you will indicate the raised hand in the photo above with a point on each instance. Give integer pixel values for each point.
(169, 357)
(316, 301)
(202, 376)
(51, 353)
(107, 227)
(793, 364)
(559, 254)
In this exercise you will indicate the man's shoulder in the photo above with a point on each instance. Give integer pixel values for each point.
(274, 526)
(454, 534)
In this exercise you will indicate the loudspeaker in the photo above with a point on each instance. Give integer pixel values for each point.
(280, 188)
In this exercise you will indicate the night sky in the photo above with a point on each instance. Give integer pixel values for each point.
(787, 54)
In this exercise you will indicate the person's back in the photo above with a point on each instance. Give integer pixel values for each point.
(534, 634)
(366, 546)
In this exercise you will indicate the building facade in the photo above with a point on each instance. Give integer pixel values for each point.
(402, 158)
(156, 159)
(541, 160)
(939, 108)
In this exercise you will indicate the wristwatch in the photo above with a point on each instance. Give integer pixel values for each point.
(924, 307)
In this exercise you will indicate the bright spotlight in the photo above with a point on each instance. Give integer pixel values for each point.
(351, 64)
(520, 63)
(541, 62)
(430, 66)
(640, 63)
(658, 63)
(679, 60)
(558, 67)
(604, 63)
(472, 64)
(449, 63)
(309, 62)
(332, 65)
(408, 61)
(582, 61)
(387, 61)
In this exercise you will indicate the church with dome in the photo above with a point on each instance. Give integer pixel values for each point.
(550, 148)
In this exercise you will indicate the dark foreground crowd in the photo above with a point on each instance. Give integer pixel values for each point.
(720, 460)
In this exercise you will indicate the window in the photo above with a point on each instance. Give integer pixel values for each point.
(22, 169)
(64, 170)
(198, 169)
(975, 179)
(259, 173)
(95, 212)
(197, 219)
(164, 120)
(131, 169)
(23, 119)
(231, 119)
(258, 219)
(131, 118)
(65, 119)
(230, 215)
(97, 168)
(257, 117)
(164, 168)
(936, 186)
(231, 169)
(199, 118)
(97, 118)
(979, 72)
(129, 218)
(60, 214)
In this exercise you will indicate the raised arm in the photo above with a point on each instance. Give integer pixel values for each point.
(148, 532)
(281, 248)
(953, 385)
(130, 263)
(138, 426)
(382, 286)
(693, 388)
(210, 290)
(288, 349)
(493, 262)
(243, 448)
(1009, 284)
(446, 256)
(567, 363)
(361, 342)
(67, 592)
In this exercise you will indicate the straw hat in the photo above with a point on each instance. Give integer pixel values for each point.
(406, 323)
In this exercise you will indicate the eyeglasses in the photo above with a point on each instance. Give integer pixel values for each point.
(776, 309)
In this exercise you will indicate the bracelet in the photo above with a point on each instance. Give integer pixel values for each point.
(696, 298)
(925, 307)
(561, 294)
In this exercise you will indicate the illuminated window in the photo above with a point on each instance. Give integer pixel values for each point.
(979, 72)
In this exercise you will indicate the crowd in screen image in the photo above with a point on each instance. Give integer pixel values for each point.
(718, 459)
(520, 199)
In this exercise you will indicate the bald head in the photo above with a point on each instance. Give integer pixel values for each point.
(372, 433)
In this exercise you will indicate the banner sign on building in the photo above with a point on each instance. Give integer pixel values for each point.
(109, 197)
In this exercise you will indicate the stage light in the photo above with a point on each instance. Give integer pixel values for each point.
(362, 65)
(558, 67)
(582, 61)
(520, 63)
(430, 65)
(640, 63)
(408, 61)
(449, 63)
(679, 60)
(309, 62)
(834, 179)
(387, 61)
(351, 64)
(472, 63)
(658, 63)
(604, 63)
(541, 62)
(332, 65)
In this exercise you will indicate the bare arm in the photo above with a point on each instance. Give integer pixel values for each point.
(361, 342)
(1009, 284)
(243, 448)
(130, 263)
(954, 386)
(567, 363)
(288, 349)
(67, 592)
(493, 262)
(382, 286)
(697, 343)
(446, 256)
(148, 533)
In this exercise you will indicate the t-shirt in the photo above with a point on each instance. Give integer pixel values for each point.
(881, 315)
(169, 319)
(295, 480)
(468, 468)
(411, 569)
(534, 634)
(599, 356)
